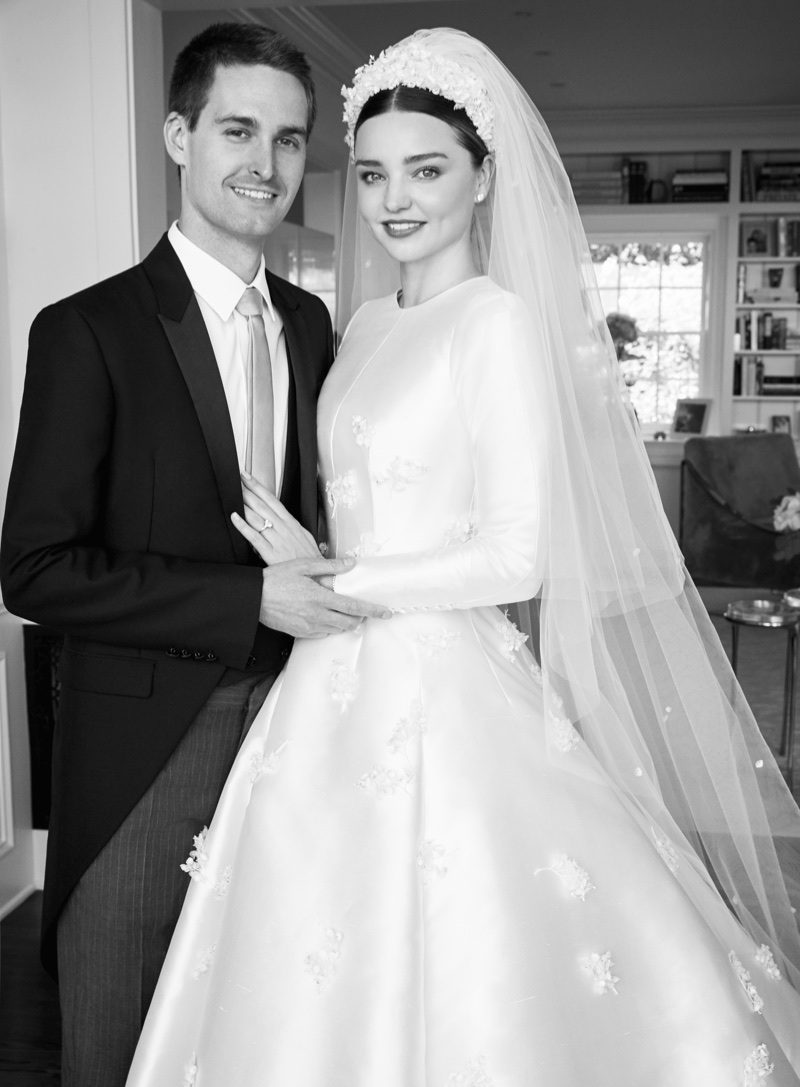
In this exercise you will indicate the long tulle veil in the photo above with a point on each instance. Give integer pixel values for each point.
(630, 663)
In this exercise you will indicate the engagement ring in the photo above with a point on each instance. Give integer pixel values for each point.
(267, 524)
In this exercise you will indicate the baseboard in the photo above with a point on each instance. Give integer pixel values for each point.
(17, 900)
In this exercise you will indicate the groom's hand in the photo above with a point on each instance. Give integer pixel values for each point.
(292, 599)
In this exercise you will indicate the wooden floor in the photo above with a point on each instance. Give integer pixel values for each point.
(29, 1016)
(30, 1024)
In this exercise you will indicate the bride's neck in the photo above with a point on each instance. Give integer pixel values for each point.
(420, 280)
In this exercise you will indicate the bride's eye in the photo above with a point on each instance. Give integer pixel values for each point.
(428, 173)
(370, 177)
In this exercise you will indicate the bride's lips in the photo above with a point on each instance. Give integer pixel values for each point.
(402, 228)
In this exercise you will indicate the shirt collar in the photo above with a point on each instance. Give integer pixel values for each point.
(217, 285)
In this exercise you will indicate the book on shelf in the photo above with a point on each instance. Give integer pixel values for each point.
(748, 177)
(765, 295)
(690, 186)
(778, 181)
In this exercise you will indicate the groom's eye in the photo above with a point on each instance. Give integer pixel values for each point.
(237, 133)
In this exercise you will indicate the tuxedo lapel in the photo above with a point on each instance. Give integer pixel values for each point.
(182, 321)
(298, 350)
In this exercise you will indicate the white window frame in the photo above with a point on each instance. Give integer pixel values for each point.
(660, 224)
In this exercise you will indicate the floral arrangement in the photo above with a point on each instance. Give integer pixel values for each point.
(412, 65)
(786, 517)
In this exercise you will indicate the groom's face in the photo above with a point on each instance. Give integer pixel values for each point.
(243, 163)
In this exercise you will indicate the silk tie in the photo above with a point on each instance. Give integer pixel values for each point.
(259, 457)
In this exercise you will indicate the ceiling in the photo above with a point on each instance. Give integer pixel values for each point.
(573, 56)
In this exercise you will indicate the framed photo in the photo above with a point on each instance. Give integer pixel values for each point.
(691, 416)
(781, 424)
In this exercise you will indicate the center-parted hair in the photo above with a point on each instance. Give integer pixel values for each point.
(419, 100)
(226, 45)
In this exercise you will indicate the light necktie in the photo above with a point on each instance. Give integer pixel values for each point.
(259, 457)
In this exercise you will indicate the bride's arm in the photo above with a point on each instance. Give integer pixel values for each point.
(498, 380)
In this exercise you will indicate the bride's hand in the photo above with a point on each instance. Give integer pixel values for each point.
(270, 528)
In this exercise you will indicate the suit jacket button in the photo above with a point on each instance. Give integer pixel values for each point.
(172, 652)
(199, 655)
(285, 654)
(251, 661)
(211, 657)
(186, 654)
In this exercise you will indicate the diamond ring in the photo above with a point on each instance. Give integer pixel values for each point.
(267, 524)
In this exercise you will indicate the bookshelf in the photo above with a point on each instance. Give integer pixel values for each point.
(674, 177)
(747, 187)
(765, 383)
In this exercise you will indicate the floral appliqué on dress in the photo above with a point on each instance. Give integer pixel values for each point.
(190, 1072)
(362, 431)
(600, 967)
(384, 781)
(342, 684)
(407, 729)
(575, 879)
(195, 863)
(322, 964)
(401, 473)
(766, 960)
(757, 1067)
(473, 1074)
(341, 492)
(460, 531)
(513, 639)
(263, 763)
(431, 861)
(666, 850)
(434, 645)
(368, 547)
(205, 962)
(756, 1003)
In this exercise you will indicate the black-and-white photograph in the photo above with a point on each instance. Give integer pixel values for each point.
(691, 416)
(399, 544)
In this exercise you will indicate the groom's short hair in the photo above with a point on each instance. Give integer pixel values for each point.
(225, 45)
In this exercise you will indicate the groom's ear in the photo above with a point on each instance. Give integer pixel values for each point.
(175, 132)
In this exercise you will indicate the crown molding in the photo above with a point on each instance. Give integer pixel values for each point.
(755, 126)
(331, 54)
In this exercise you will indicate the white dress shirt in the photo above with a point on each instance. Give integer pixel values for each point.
(218, 290)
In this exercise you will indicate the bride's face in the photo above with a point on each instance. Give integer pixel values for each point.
(417, 185)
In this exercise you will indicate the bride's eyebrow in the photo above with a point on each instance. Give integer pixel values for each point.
(409, 160)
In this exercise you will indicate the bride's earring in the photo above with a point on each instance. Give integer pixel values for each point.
(479, 197)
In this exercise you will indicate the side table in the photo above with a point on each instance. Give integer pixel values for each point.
(773, 614)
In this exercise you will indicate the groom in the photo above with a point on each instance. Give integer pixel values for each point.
(137, 418)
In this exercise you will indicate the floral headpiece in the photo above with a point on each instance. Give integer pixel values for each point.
(410, 65)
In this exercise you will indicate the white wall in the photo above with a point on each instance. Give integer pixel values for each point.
(67, 197)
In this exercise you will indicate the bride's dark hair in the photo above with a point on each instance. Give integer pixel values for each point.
(418, 100)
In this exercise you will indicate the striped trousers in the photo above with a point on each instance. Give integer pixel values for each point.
(116, 926)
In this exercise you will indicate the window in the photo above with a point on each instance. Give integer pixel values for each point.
(659, 282)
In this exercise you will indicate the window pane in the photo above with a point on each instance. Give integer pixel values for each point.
(660, 285)
(644, 306)
(683, 266)
(681, 310)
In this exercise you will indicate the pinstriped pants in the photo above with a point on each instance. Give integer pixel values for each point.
(115, 929)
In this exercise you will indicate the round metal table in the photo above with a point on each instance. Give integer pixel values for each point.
(775, 614)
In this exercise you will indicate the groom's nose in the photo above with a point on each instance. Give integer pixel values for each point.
(263, 160)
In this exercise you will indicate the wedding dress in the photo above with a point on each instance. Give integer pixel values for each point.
(406, 884)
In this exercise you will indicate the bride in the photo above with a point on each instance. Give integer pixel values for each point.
(441, 860)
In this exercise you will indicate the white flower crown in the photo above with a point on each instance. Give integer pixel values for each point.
(414, 66)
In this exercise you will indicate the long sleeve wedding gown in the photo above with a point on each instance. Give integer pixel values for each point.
(404, 885)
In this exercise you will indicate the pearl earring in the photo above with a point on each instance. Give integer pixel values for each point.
(479, 197)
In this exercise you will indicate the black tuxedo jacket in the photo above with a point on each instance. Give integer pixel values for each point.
(118, 533)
